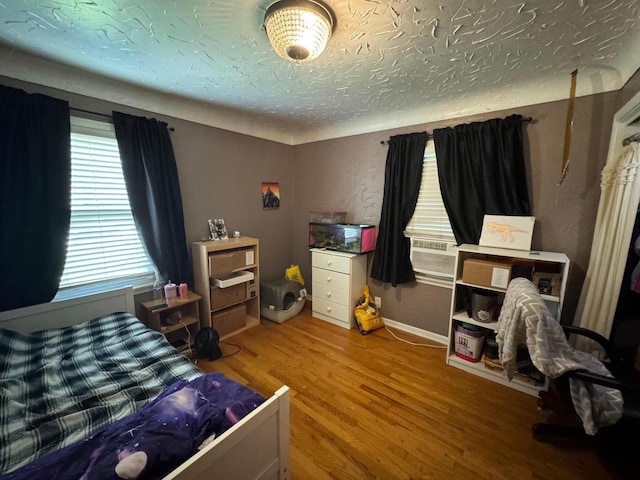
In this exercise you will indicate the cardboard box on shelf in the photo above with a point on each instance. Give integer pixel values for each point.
(229, 320)
(224, 297)
(486, 273)
(222, 263)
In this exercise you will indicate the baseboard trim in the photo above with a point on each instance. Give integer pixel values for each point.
(403, 327)
(419, 332)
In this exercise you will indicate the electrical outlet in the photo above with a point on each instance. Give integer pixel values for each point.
(378, 301)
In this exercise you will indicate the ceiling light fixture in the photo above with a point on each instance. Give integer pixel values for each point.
(298, 29)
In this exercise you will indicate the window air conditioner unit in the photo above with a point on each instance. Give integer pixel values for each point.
(433, 257)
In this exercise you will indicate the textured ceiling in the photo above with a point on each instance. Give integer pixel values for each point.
(388, 64)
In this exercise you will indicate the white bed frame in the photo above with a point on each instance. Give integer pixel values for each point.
(257, 447)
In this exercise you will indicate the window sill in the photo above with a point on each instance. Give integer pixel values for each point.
(139, 285)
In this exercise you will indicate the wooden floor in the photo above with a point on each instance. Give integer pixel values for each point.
(365, 407)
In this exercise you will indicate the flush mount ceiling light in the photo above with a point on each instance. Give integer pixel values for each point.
(298, 29)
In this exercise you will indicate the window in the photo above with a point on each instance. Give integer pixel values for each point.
(104, 248)
(433, 246)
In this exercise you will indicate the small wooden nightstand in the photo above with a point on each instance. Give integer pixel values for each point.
(179, 321)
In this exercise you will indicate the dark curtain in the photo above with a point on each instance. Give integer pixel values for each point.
(403, 174)
(35, 193)
(151, 176)
(481, 171)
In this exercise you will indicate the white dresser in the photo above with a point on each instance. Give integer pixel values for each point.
(337, 282)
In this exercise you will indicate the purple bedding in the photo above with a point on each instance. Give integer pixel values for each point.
(154, 440)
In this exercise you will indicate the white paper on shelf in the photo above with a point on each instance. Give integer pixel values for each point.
(500, 277)
(233, 279)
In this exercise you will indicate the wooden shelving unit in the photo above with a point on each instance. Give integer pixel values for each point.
(177, 319)
(215, 263)
(557, 261)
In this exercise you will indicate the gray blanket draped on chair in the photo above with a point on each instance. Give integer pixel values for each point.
(525, 318)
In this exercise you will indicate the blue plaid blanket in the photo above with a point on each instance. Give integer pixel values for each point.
(59, 386)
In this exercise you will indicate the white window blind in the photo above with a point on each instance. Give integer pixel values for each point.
(430, 218)
(104, 249)
(433, 246)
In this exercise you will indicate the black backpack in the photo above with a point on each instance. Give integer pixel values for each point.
(206, 344)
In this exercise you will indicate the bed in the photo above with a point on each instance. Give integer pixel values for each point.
(252, 433)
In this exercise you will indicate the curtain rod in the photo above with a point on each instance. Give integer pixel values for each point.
(102, 115)
(633, 138)
(386, 142)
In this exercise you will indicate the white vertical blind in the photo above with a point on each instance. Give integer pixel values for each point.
(430, 218)
(104, 246)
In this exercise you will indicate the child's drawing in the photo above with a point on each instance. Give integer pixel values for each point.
(507, 231)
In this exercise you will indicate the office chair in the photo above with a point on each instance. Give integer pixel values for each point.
(563, 421)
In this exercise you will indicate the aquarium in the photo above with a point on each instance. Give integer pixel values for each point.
(343, 237)
(327, 217)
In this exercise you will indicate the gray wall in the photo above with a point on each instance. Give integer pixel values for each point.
(221, 173)
(348, 174)
(631, 88)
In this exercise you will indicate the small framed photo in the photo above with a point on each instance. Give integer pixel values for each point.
(221, 229)
(270, 195)
(547, 283)
(212, 230)
(217, 229)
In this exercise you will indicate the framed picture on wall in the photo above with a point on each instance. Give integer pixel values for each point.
(270, 195)
(507, 231)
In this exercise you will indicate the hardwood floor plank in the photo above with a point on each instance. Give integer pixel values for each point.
(371, 406)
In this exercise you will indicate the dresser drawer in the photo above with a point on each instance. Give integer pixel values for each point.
(331, 261)
(330, 278)
(341, 313)
(331, 294)
(337, 282)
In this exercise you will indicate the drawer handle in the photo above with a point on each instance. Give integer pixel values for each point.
(328, 294)
(328, 309)
(329, 279)
(329, 262)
